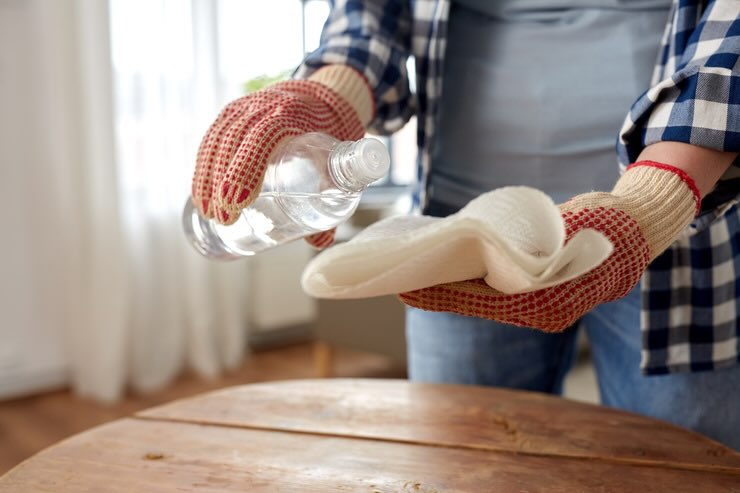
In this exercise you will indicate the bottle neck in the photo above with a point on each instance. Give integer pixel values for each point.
(346, 170)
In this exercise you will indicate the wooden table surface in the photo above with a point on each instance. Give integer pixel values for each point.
(379, 436)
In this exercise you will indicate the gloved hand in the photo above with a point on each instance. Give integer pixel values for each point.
(233, 155)
(649, 206)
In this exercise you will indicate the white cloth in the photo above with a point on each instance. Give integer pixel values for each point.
(513, 237)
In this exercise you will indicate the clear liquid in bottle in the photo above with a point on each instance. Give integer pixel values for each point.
(313, 185)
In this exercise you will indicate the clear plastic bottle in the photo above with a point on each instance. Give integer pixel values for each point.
(313, 184)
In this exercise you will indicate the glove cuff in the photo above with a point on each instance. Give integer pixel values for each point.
(351, 86)
(661, 198)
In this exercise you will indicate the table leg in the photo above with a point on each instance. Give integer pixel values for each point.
(323, 359)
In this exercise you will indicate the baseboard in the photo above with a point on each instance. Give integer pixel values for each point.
(23, 384)
(284, 336)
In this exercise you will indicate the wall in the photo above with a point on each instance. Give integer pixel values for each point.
(278, 299)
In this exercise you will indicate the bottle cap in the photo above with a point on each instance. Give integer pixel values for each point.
(372, 159)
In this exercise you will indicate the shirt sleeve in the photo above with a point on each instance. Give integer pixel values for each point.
(373, 37)
(695, 93)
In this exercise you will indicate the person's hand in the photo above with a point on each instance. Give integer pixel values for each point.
(234, 152)
(649, 206)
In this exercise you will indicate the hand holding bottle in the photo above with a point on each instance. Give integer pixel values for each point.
(233, 155)
(312, 184)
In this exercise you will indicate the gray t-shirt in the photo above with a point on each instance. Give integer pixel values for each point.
(535, 92)
(544, 9)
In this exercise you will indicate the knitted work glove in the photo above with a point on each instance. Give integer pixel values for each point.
(233, 155)
(649, 206)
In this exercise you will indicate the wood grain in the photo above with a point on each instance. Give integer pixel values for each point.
(379, 436)
(133, 455)
(31, 424)
(452, 415)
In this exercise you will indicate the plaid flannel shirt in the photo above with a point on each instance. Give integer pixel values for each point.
(691, 293)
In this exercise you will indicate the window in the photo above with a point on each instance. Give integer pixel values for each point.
(176, 63)
(288, 30)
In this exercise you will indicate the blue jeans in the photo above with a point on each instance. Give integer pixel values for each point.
(443, 347)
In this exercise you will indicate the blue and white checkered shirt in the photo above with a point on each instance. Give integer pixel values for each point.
(691, 293)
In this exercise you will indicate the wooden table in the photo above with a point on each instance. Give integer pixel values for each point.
(379, 436)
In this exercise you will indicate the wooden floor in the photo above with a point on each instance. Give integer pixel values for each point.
(31, 424)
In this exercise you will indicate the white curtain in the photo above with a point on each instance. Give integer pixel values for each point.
(167, 91)
(96, 166)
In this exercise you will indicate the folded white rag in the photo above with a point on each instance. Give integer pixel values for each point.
(513, 237)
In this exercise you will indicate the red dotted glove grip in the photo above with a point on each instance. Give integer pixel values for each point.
(234, 153)
(556, 308)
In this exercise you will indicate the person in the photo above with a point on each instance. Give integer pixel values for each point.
(533, 92)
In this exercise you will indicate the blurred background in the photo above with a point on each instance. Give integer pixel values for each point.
(105, 307)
